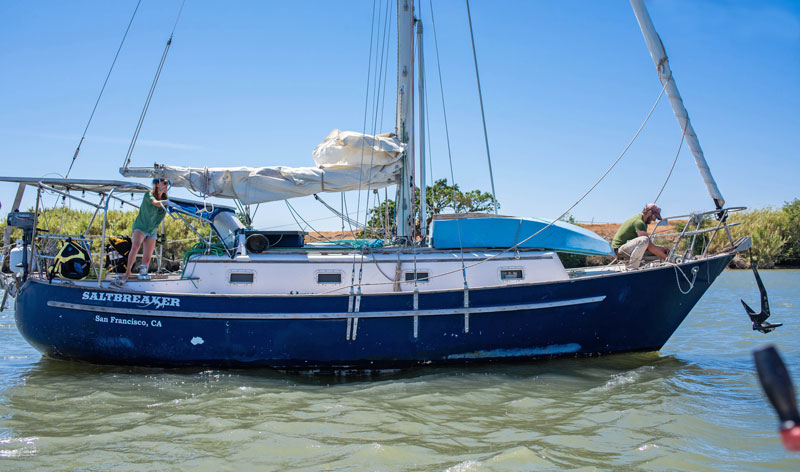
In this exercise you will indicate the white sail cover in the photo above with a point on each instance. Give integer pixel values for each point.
(345, 160)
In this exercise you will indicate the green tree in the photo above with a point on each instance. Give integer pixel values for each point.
(790, 227)
(439, 198)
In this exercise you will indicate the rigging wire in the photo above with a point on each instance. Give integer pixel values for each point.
(386, 225)
(102, 89)
(597, 182)
(376, 92)
(243, 212)
(364, 131)
(63, 203)
(380, 58)
(483, 115)
(428, 120)
(341, 195)
(152, 90)
(65, 208)
(366, 103)
(674, 161)
(386, 67)
(295, 212)
(313, 219)
(375, 100)
(447, 135)
(422, 203)
(585, 194)
(336, 212)
(378, 206)
(291, 212)
(441, 93)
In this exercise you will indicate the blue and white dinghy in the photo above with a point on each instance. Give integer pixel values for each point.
(477, 288)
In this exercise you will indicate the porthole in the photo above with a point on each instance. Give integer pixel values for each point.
(511, 274)
(329, 278)
(422, 277)
(241, 277)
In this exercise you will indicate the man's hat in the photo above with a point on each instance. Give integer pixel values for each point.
(652, 207)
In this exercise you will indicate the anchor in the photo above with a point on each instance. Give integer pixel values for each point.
(760, 319)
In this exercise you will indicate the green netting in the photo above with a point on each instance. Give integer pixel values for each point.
(358, 242)
(216, 249)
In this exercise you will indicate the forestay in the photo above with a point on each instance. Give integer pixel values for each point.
(345, 160)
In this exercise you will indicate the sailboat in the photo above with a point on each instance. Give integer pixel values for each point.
(476, 288)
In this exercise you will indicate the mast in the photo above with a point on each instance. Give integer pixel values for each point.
(661, 61)
(404, 127)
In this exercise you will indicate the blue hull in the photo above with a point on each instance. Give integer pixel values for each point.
(629, 311)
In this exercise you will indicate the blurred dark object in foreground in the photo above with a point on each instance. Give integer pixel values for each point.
(779, 389)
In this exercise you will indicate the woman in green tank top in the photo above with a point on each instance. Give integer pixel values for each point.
(145, 227)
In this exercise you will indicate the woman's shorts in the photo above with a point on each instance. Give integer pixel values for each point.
(147, 235)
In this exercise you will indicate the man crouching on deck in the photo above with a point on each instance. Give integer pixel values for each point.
(631, 240)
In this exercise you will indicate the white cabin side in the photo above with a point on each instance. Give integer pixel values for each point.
(313, 272)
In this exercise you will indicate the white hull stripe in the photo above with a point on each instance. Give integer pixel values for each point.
(343, 315)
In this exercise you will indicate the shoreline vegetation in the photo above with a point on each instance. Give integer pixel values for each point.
(775, 233)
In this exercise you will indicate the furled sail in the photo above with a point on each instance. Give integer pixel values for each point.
(345, 160)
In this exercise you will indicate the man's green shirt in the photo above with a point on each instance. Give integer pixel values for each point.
(629, 230)
(149, 216)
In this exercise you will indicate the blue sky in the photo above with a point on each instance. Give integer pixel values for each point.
(565, 84)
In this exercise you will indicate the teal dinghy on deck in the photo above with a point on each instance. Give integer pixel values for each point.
(492, 231)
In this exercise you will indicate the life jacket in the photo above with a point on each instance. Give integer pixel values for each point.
(71, 262)
(117, 251)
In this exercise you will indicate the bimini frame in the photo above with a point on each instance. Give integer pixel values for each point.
(106, 189)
